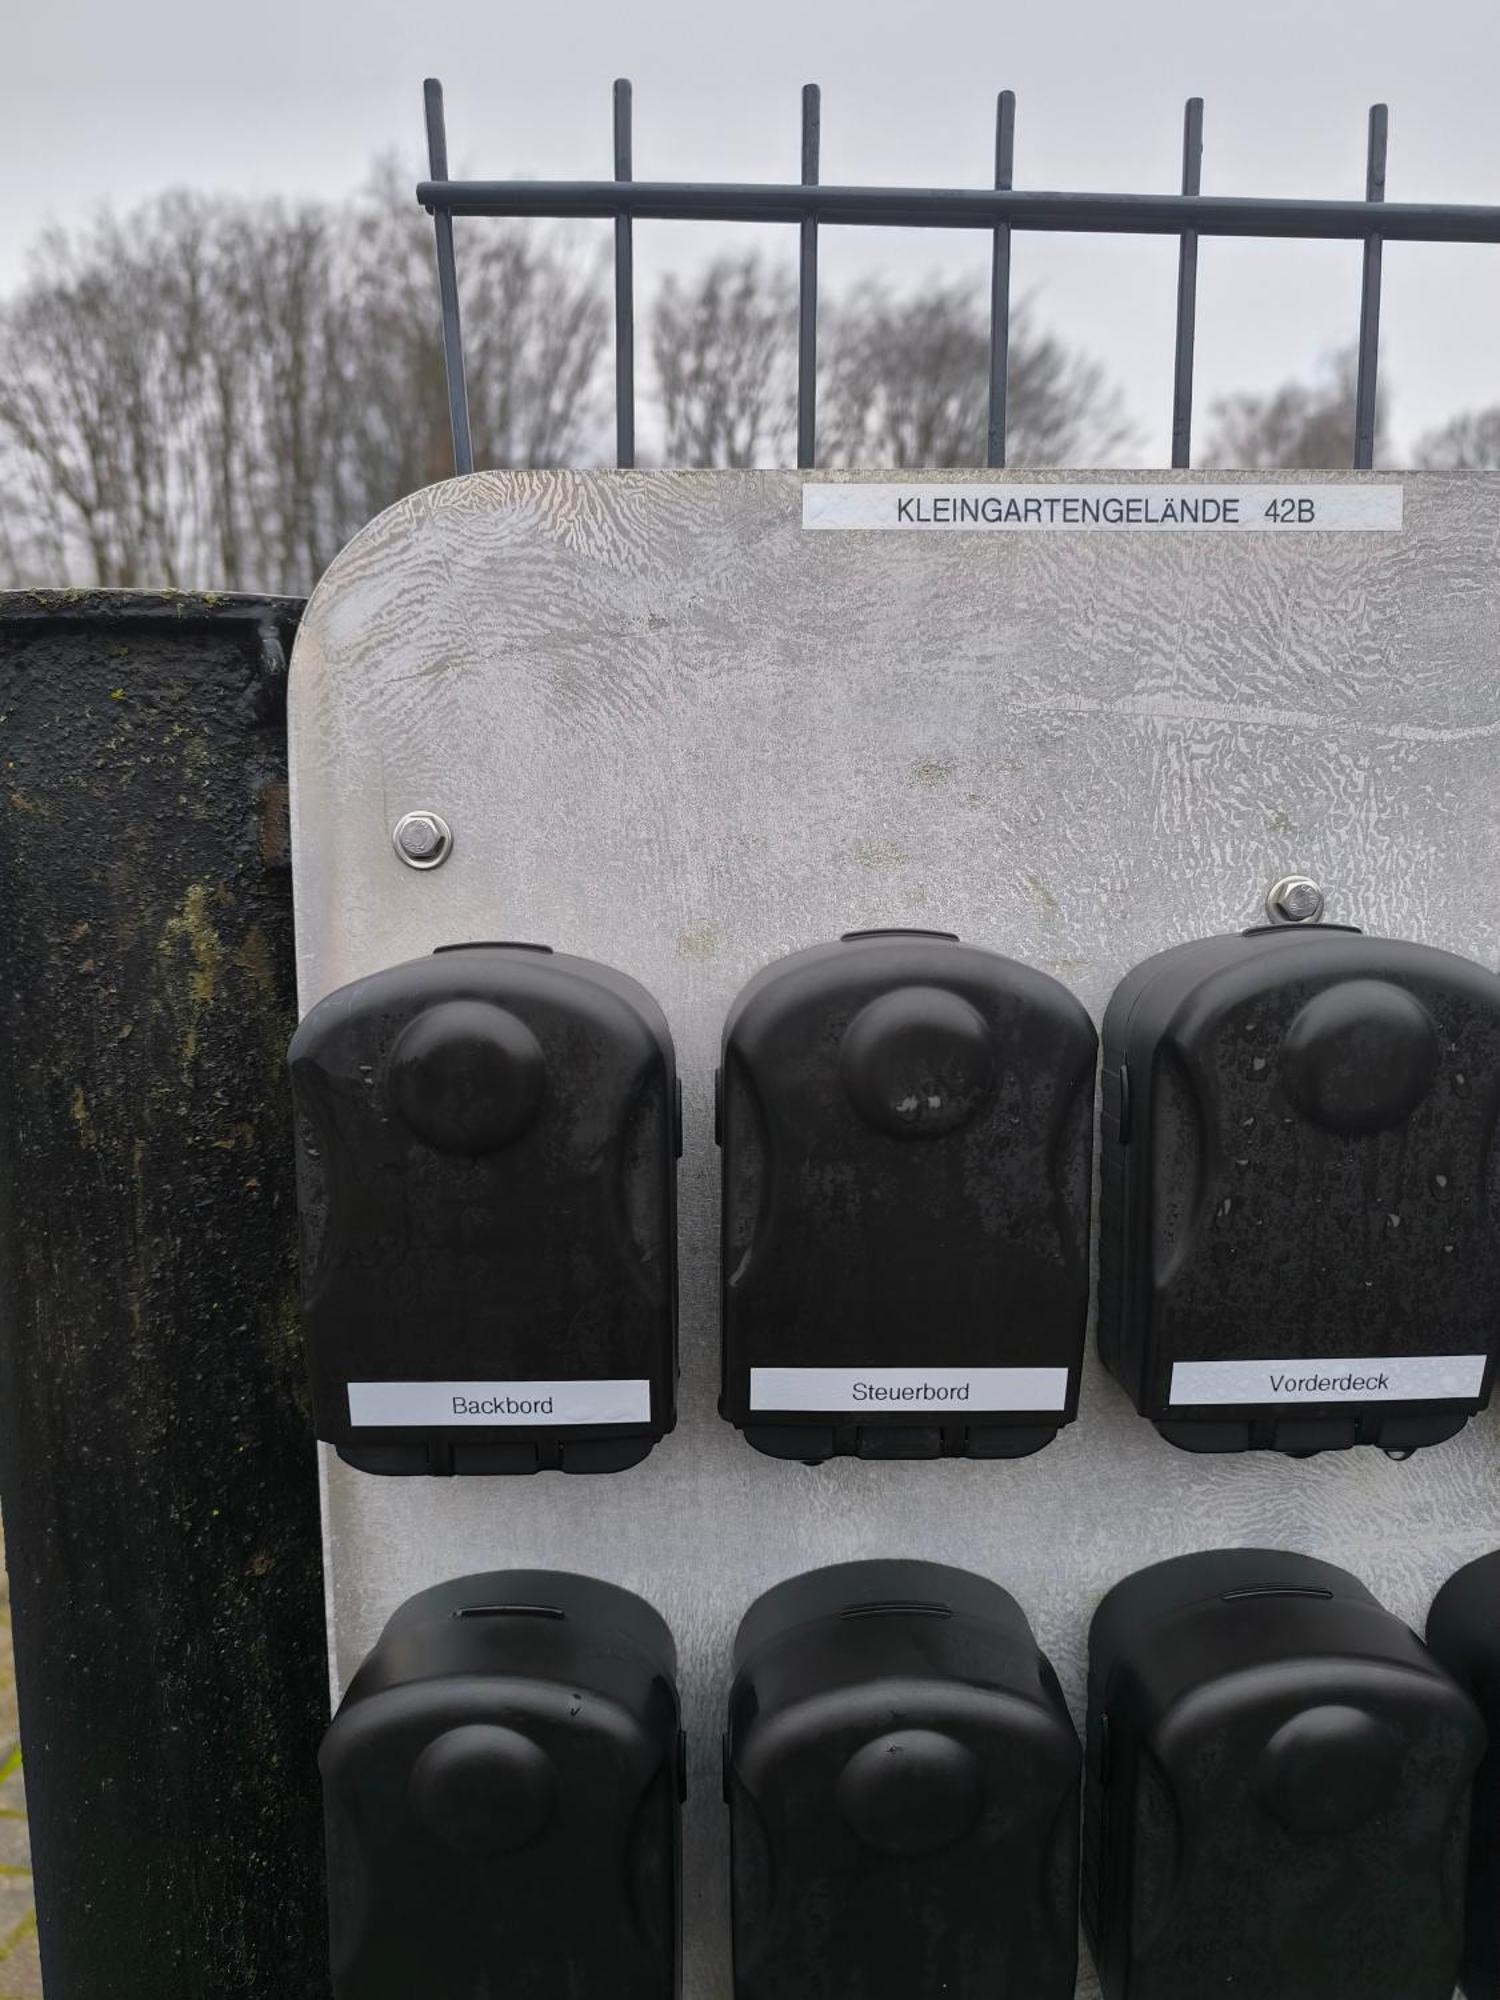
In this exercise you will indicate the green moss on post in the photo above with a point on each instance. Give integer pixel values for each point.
(157, 1472)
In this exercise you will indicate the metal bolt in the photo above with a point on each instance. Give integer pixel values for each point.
(1295, 899)
(422, 839)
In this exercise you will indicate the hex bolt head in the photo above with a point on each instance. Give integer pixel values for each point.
(1295, 899)
(422, 839)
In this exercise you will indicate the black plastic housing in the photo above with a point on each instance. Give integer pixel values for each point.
(1298, 1174)
(1463, 1630)
(906, 1125)
(503, 1785)
(1277, 1793)
(487, 1183)
(902, 1778)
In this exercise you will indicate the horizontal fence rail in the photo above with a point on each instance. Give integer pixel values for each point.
(967, 208)
(809, 204)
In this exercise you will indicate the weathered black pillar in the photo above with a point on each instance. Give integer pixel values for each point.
(157, 1472)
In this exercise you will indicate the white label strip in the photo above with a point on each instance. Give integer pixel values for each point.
(860, 1391)
(1103, 507)
(492, 1404)
(1397, 1378)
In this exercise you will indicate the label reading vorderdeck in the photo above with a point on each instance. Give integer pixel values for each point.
(862, 1391)
(1105, 506)
(1406, 1378)
(421, 1405)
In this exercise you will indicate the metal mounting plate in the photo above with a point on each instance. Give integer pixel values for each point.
(671, 730)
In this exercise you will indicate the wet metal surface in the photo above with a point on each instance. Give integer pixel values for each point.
(680, 735)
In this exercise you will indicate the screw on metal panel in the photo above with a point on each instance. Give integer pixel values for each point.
(1295, 899)
(422, 839)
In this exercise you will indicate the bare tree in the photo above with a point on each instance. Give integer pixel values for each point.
(1301, 424)
(904, 378)
(399, 440)
(1468, 443)
(221, 393)
(724, 351)
(535, 335)
(94, 410)
(285, 354)
(908, 384)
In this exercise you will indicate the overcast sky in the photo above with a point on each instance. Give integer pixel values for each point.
(114, 101)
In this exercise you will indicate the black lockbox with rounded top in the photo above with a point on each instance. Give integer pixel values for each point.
(903, 1779)
(1300, 1192)
(502, 1787)
(906, 1124)
(1463, 1630)
(487, 1143)
(1277, 1791)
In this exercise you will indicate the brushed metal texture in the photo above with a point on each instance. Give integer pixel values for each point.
(671, 730)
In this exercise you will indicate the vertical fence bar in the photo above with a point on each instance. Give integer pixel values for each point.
(624, 287)
(453, 338)
(807, 296)
(1187, 291)
(1366, 392)
(1005, 174)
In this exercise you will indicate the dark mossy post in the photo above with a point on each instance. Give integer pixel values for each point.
(157, 1471)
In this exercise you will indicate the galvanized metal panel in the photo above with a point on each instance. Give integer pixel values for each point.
(672, 731)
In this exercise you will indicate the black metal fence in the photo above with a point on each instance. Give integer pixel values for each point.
(1000, 210)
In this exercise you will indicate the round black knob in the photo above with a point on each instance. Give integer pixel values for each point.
(911, 1791)
(1329, 1769)
(467, 1076)
(483, 1789)
(918, 1062)
(1360, 1057)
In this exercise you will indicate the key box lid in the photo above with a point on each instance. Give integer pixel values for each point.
(1300, 1211)
(1463, 1630)
(502, 1784)
(903, 1782)
(487, 1181)
(906, 1123)
(1278, 1788)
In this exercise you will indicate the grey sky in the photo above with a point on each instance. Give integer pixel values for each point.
(115, 101)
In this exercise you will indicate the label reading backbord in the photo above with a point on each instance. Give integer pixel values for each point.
(430, 1405)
